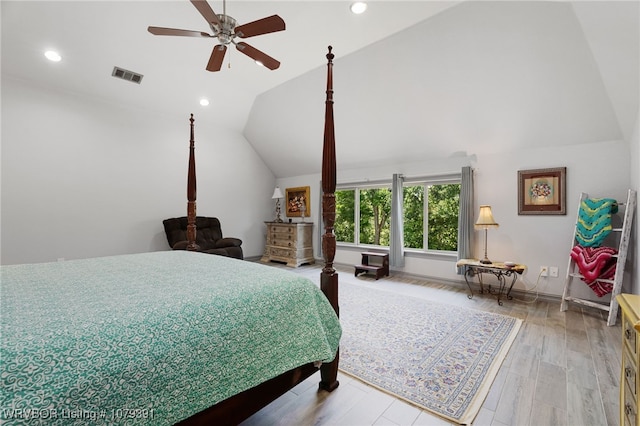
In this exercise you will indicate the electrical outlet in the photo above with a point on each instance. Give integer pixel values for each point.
(553, 271)
(544, 271)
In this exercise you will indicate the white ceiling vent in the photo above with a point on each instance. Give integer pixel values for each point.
(127, 75)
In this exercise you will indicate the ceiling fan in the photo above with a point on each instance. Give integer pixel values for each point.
(225, 30)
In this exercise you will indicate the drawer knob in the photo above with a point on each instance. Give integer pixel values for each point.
(628, 372)
(628, 409)
(627, 334)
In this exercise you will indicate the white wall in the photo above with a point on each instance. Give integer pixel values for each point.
(599, 169)
(81, 178)
(635, 184)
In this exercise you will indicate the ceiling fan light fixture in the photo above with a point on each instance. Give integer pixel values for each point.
(224, 31)
(53, 56)
(358, 7)
(259, 63)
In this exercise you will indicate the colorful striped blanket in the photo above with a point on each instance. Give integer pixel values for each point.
(595, 264)
(594, 220)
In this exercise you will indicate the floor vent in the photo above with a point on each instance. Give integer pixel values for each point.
(127, 75)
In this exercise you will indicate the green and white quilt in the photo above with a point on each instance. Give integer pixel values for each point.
(150, 338)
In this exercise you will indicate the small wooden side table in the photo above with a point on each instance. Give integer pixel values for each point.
(498, 269)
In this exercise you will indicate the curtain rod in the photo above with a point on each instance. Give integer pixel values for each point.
(373, 182)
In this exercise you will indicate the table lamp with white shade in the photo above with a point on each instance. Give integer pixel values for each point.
(485, 221)
(277, 194)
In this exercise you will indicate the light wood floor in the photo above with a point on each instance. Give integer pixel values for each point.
(563, 369)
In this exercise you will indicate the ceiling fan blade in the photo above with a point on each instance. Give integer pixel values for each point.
(206, 11)
(267, 25)
(176, 32)
(217, 56)
(257, 55)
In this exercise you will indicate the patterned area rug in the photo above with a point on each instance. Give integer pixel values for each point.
(441, 358)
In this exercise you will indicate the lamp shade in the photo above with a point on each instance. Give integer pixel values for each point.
(485, 219)
(277, 193)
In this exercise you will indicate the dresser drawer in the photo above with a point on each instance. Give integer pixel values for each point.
(630, 411)
(283, 241)
(630, 335)
(282, 253)
(629, 374)
(282, 230)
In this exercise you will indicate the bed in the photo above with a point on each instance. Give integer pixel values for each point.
(151, 338)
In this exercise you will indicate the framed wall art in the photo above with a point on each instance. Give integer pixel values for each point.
(298, 204)
(542, 191)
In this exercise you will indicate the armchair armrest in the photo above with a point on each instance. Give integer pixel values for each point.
(181, 245)
(228, 242)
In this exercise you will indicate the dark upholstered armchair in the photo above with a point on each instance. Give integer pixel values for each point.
(208, 236)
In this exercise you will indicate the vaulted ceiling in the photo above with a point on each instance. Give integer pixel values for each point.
(477, 78)
(95, 36)
(413, 80)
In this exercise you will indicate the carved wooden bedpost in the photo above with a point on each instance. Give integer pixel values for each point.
(191, 195)
(329, 276)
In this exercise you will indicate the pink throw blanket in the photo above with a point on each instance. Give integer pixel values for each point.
(596, 263)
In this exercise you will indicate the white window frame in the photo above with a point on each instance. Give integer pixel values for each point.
(425, 181)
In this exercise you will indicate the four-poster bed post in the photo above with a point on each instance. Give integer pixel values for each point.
(329, 276)
(237, 408)
(191, 194)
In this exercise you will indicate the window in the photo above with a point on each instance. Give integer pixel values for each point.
(440, 229)
(372, 207)
(430, 211)
(345, 225)
(375, 215)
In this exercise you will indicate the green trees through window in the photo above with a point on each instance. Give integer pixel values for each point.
(366, 212)
(344, 226)
(413, 205)
(375, 214)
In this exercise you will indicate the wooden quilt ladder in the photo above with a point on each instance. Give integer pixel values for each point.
(622, 236)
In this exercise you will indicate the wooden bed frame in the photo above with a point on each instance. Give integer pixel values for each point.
(241, 406)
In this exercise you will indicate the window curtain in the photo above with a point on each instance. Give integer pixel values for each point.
(465, 217)
(396, 235)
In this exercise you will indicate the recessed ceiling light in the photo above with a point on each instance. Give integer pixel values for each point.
(358, 7)
(53, 56)
(204, 102)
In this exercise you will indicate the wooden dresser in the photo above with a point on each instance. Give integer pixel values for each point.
(630, 378)
(289, 242)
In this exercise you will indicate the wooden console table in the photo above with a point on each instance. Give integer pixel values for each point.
(498, 269)
(381, 269)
